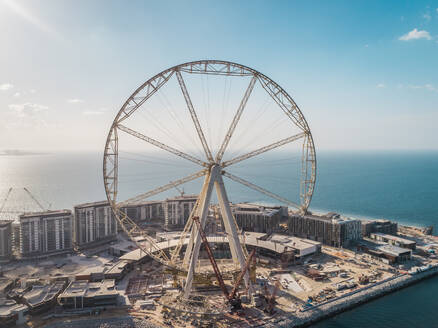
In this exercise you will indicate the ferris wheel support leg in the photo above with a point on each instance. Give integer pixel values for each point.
(230, 226)
(199, 211)
(193, 252)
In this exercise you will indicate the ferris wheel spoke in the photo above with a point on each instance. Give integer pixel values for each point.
(161, 145)
(161, 189)
(236, 119)
(264, 149)
(260, 189)
(288, 107)
(194, 116)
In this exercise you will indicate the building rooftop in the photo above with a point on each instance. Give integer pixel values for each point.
(117, 268)
(93, 204)
(10, 307)
(5, 283)
(45, 214)
(90, 289)
(293, 242)
(4, 223)
(395, 238)
(393, 250)
(332, 217)
(42, 294)
(183, 197)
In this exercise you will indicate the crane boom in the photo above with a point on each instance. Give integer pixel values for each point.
(242, 274)
(5, 200)
(212, 260)
(33, 197)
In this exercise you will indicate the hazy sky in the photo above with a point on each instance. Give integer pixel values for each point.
(364, 73)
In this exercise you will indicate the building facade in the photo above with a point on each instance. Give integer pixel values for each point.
(257, 218)
(383, 226)
(94, 223)
(146, 211)
(5, 239)
(45, 232)
(177, 210)
(394, 240)
(330, 229)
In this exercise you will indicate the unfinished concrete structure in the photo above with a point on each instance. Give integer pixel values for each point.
(45, 232)
(94, 223)
(43, 297)
(177, 210)
(257, 218)
(5, 239)
(81, 294)
(145, 211)
(393, 240)
(11, 313)
(381, 225)
(331, 229)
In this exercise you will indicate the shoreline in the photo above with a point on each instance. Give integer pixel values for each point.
(327, 310)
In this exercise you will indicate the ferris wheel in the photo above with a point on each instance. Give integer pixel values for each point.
(203, 119)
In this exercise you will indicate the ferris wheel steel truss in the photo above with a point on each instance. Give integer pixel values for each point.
(211, 168)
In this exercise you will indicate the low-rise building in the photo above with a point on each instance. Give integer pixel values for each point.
(11, 313)
(393, 240)
(382, 226)
(94, 224)
(42, 233)
(5, 239)
(43, 297)
(82, 294)
(330, 229)
(384, 252)
(395, 254)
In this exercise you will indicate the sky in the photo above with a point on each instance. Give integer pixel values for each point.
(364, 73)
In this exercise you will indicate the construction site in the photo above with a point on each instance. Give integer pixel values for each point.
(199, 259)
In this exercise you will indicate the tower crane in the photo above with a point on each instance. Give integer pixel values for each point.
(36, 200)
(232, 298)
(5, 200)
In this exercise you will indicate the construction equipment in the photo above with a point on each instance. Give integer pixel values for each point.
(242, 274)
(232, 298)
(36, 200)
(5, 200)
(211, 257)
(270, 298)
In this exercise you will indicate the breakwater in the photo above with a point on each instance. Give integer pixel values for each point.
(332, 307)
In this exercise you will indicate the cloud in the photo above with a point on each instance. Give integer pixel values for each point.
(427, 17)
(17, 94)
(94, 112)
(26, 109)
(75, 101)
(6, 86)
(32, 91)
(27, 115)
(415, 35)
(428, 87)
(381, 85)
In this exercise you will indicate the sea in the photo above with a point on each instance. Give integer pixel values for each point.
(395, 185)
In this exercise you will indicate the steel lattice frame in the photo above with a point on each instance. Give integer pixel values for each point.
(145, 91)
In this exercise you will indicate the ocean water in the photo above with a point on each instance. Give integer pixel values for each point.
(396, 185)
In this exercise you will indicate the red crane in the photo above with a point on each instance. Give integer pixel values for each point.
(235, 302)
